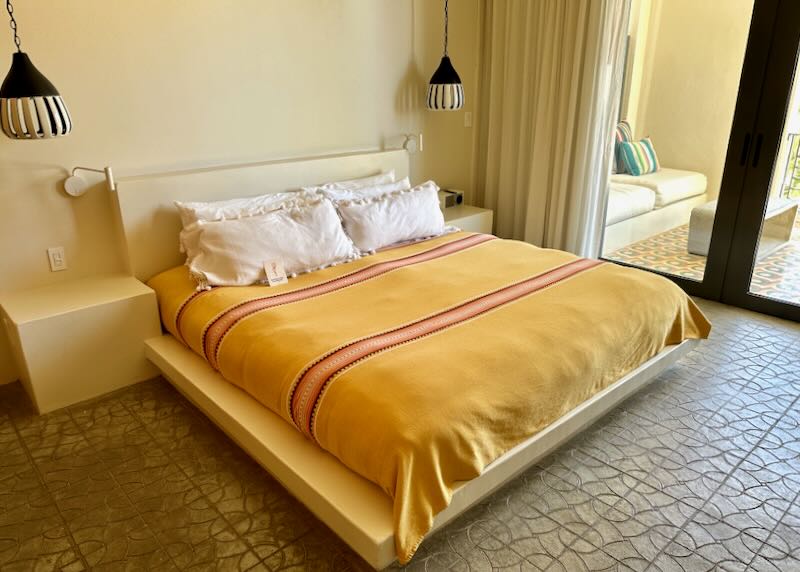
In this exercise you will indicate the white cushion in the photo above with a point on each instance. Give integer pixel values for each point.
(371, 181)
(400, 216)
(366, 192)
(701, 224)
(670, 185)
(233, 252)
(628, 201)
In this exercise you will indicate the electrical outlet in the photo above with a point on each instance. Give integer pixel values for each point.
(58, 260)
(467, 119)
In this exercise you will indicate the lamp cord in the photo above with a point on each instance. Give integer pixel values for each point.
(13, 24)
(445, 26)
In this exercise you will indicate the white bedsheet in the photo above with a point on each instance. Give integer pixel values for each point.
(669, 185)
(627, 201)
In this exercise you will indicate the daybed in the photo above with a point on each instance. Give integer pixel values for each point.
(640, 207)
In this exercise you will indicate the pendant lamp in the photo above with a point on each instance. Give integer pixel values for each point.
(445, 92)
(30, 106)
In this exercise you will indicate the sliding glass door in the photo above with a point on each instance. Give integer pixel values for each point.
(685, 61)
(728, 112)
(763, 268)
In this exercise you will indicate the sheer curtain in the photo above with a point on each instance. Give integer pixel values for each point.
(550, 82)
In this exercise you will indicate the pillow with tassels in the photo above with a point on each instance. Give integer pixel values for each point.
(403, 215)
(234, 252)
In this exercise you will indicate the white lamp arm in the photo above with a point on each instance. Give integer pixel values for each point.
(75, 185)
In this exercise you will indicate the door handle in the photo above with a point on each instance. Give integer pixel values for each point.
(757, 150)
(745, 150)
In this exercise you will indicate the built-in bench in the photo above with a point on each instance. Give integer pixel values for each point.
(643, 206)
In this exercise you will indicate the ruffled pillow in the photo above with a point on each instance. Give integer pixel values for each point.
(192, 213)
(233, 252)
(399, 216)
(350, 184)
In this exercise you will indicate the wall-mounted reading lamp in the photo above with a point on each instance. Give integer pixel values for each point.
(75, 185)
(412, 143)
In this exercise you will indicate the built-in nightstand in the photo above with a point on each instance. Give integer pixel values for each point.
(465, 217)
(80, 339)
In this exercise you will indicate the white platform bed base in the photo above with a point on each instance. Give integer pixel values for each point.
(357, 510)
(353, 507)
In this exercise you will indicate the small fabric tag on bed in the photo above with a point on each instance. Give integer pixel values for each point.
(276, 274)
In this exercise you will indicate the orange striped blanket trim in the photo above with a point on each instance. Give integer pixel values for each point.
(182, 310)
(219, 327)
(306, 394)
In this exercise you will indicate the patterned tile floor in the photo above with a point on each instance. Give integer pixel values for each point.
(699, 471)
(776, 275)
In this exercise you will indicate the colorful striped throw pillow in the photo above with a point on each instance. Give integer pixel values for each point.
(639, 157)
(622, 134)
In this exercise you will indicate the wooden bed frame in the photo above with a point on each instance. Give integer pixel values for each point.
(356, 509)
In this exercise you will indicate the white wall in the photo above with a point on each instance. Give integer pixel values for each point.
(638, 32)
(690, 80)
(448, 143)
(153, 84)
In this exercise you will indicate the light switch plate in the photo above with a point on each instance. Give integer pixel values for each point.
(58, 260)
(467, 119)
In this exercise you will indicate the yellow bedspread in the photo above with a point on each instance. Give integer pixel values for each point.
(419, 365)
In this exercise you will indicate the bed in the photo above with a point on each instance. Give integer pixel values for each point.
(387, 424)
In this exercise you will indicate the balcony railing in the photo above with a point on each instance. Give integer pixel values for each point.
(790, 188)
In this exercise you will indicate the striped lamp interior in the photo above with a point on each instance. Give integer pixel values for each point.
(445, 96)
(39, 117)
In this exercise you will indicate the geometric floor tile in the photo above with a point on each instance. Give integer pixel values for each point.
(776, 275)
(698, 471)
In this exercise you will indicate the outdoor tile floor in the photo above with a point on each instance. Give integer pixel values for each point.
(699, 471)
(776, 275)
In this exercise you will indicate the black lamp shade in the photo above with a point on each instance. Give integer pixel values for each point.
(445, 92)
(30, 106)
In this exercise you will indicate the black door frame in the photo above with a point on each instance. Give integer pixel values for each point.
(740, 144)
(761, 157)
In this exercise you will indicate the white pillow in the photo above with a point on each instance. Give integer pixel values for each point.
(233, 252)
(194, 212)
(362, 182)
(366, 192)
(373, 223)
(234, 208)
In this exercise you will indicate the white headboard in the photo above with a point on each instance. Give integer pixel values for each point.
(150, 222)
